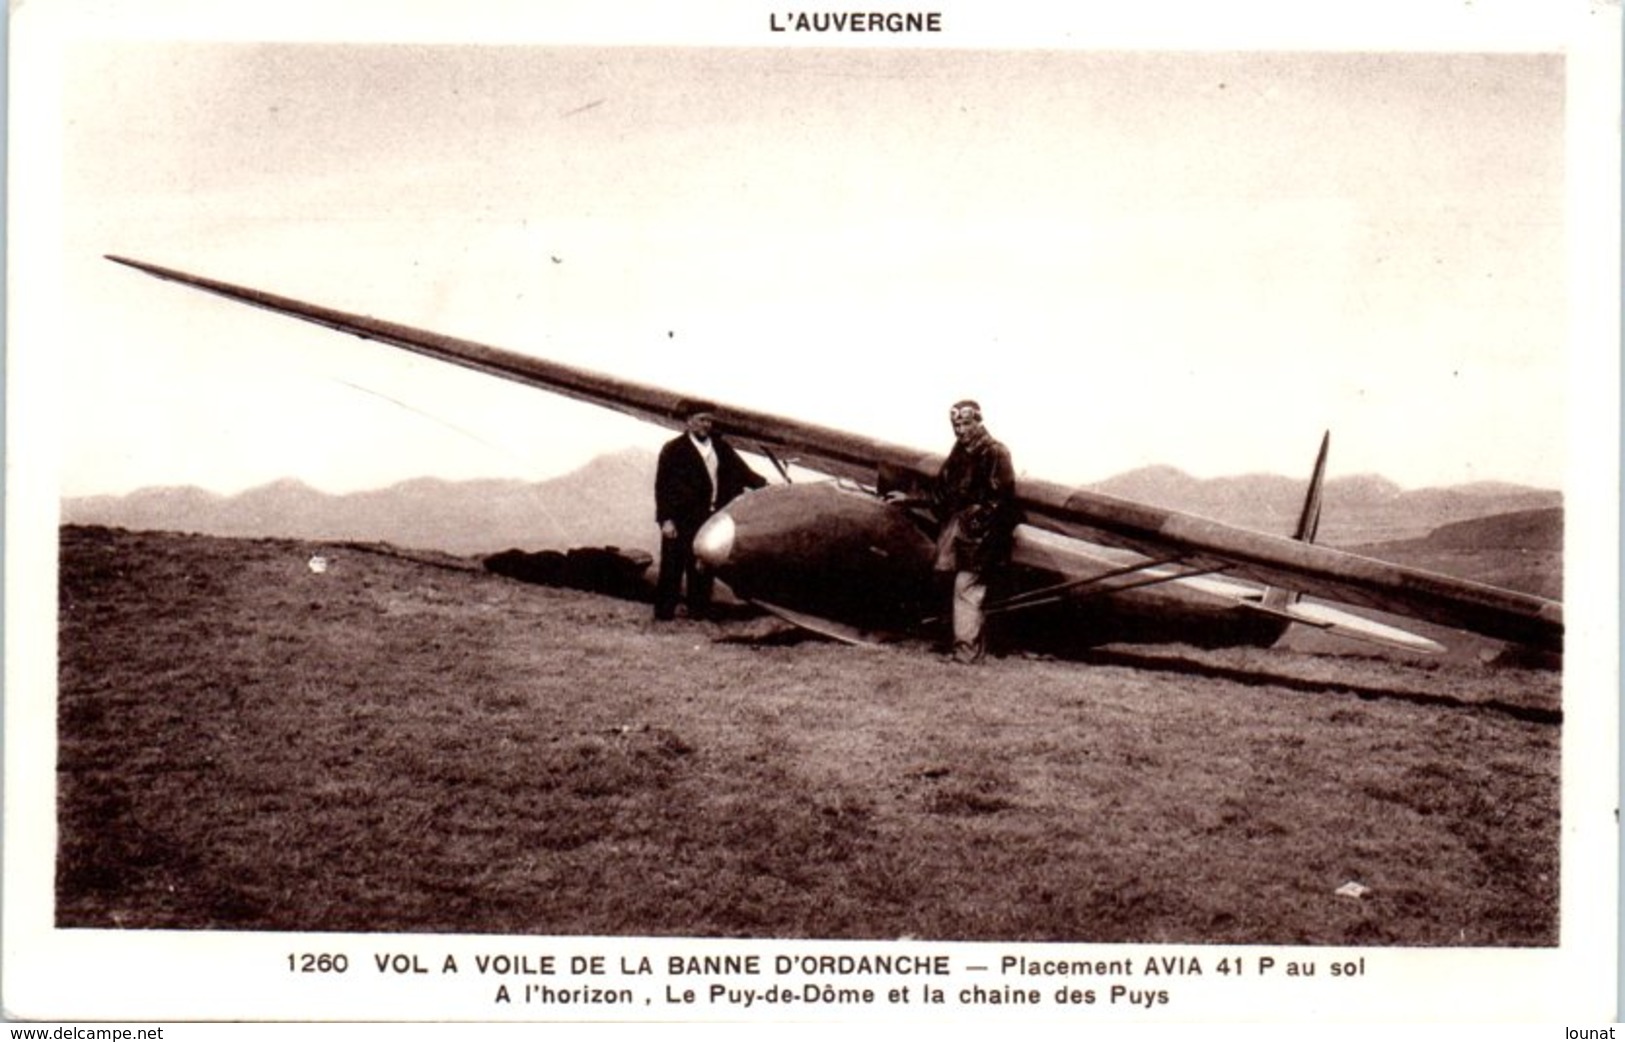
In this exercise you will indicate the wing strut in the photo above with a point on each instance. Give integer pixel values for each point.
(778, 465)
(1058, 592)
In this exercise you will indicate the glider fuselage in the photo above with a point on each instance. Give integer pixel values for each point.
(831, 551)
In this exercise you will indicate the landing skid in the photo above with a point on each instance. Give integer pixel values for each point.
(826, 627)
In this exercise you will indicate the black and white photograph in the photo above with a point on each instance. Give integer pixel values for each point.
(746, 513)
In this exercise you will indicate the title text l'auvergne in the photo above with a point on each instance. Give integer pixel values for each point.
(855, 22)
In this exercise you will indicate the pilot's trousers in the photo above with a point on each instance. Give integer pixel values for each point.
(969, 622)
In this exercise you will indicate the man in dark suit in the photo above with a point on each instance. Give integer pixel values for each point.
(698, 473)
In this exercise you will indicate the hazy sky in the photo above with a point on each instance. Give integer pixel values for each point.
(1197, 259)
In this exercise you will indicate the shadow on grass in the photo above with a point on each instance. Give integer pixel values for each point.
(1183, 666)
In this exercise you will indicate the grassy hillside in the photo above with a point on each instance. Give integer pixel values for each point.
(411, 744)
(1522, 550)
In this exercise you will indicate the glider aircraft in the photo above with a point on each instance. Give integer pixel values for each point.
(837, 557)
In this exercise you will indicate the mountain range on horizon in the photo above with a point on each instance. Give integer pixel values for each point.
(609, 502)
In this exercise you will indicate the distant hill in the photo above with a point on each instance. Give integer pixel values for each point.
(1523, 530)
(1522, 550)
(606, 502)
(1359, 509)
(609, 502)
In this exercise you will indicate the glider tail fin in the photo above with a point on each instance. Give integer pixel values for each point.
(1309, 519)
(1308, 523)
(1289, 604)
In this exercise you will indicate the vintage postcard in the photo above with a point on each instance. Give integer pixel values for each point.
(741, 513)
